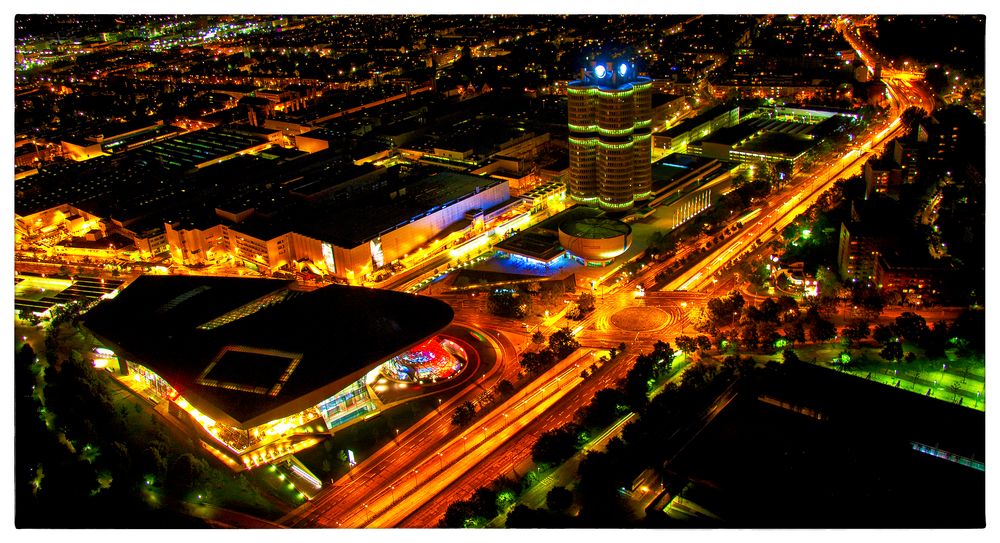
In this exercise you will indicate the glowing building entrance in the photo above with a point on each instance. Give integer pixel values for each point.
(434, 360)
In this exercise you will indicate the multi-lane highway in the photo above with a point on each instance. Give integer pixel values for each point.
(413, 480)
(395, 460)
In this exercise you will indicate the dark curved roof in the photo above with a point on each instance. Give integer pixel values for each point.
(226, 344)
(595, 228)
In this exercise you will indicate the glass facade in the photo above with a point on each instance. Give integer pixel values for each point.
(346, 405)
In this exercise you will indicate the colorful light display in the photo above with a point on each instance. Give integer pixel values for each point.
(434, 360)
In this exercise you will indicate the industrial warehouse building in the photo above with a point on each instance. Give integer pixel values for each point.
(345, 239)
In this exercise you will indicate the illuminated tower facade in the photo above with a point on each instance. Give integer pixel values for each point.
(610, 115)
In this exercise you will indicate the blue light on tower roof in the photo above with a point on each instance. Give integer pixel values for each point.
(599, 71)
(623, 69)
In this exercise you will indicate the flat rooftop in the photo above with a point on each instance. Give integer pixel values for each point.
(189, 150)
(773, 467)
(702, 118)
(159, 131)
(352, 222)
(778, 143)
(541, 241)
(676, 168)
(732, 135)
(250, 348)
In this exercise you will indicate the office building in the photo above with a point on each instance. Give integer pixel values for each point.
(610, 115)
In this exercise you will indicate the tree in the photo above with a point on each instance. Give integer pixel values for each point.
(538, 338)
(186, 474)
(555, 446)
(822, 330)
(885, 333)
(869, 301)
(563, 343)
(910, 357)
(738, 366)
(559, 499)
(606, 406)
(893, 351)
(457, 514)
(523, 516)
(787, 307)
(586, 302)
(507, 303)
(769, 311)
(749, 337)
(789, 356)
(686, 344)
(856, 330)
(794, 331)
(484, 503)
(911, 326)
(936, 79)
(935, 340)
(971, 326)
(698, 376)
(505, 388)
(724, 310)
(463, 414)
(530, 362)
(638, 381)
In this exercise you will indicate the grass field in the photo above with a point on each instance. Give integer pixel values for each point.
(955, 379)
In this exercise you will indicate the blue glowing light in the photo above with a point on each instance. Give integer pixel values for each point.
(622, 69)
(599, 71)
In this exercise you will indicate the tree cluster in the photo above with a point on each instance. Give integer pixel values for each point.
(79, 457)
(485, 504)
(561, 344)
(505, 302)
(731, 322)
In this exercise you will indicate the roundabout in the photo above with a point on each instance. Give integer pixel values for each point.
(640, 319)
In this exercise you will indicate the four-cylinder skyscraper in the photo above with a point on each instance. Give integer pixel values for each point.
(610, 116)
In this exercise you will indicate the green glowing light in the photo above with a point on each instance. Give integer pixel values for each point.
(613, 145)
(617, 93)
(615, 206)
(609, 132)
